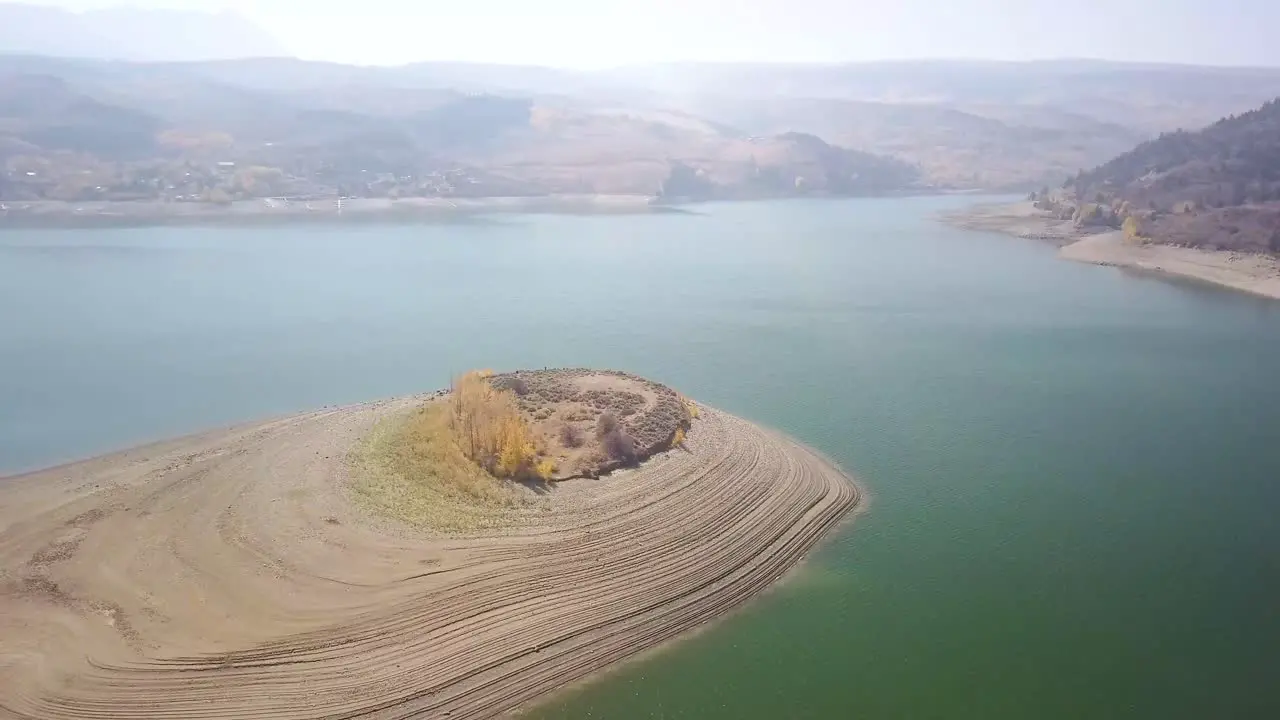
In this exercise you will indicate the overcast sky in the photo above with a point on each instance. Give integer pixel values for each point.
(603, 33)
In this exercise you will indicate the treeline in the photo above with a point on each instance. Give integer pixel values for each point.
(1233, 162)
(811, 166)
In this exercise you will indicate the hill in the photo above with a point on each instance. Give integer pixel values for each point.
(131, 34)
(224, 129)
(78, 130)
(990, 125)
(988, 146)
(1217, 188)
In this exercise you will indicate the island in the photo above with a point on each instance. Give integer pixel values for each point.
(455, 554)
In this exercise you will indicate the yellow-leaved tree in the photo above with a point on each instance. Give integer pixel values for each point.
(545, 469)
(489, 429)
(1132, 229)
(690, 405)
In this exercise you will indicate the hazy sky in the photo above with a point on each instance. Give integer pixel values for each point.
(603, 33)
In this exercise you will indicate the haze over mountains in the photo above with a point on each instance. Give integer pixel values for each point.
(133, 104)
(125, 33)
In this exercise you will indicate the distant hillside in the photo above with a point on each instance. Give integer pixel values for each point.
(79, 130)
(1147, 97)
(43, 112)
(131, 34)
(569, 149)
(1217, 187)
(1232, 162)
(282, 126)
(992, 125)
(982, 146)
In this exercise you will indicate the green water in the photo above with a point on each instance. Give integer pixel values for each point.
(1074, 472)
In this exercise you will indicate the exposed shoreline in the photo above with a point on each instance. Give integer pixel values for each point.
(256, 213)
(229, 575)
(60, 215)
(1245, 272)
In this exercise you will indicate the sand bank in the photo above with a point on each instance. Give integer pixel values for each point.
(1021, 219)
(1252, 273)
(230, 575)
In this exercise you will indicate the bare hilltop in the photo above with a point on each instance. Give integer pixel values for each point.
(457, 554)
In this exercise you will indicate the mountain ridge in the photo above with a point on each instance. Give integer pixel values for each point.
(138, 129)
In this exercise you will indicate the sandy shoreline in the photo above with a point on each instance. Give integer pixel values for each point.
(260, 212)
(1246, 272)
(1020, 219)
(230, 575)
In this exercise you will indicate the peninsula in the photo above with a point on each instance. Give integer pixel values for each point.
(456, 554)
(1202, 205)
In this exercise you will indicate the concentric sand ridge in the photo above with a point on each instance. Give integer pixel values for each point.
(228, 575)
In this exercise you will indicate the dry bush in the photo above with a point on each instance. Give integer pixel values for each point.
(618, 445)
(514, 383)
(570, 436)
(606, 424)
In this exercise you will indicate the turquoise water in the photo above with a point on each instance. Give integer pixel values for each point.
(1074, 472)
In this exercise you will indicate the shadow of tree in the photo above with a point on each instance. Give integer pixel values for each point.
(538, 485)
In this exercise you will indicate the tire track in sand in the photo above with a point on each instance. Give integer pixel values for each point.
(228, 577)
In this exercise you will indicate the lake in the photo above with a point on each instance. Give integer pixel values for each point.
(1074, 472)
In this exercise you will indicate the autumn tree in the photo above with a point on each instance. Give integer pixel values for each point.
(489, 429)
(1132, 229)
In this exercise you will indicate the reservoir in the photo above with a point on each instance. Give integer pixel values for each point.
(1073, 472)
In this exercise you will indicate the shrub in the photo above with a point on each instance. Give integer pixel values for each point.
(678, 439)
(570, 436)
(618, 445)
(691, 407)
(1132, 229)
(514, 383)
(606, 424)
